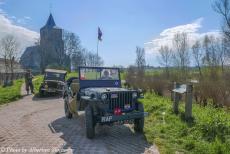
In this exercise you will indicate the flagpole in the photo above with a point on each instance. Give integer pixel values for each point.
(97, 50)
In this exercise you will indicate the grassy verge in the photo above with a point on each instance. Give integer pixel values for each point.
(209, 133)
(72, 74)
(11, 93)
(37, 82)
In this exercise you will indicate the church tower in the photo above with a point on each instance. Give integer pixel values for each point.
(51, 45)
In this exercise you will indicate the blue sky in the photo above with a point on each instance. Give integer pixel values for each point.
(125, 23)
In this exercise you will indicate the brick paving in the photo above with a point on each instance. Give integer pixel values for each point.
(33, 125)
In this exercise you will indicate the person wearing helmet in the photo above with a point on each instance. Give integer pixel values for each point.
(28, 81)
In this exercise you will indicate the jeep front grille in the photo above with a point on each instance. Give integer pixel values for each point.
(52, 84)
(123, 98)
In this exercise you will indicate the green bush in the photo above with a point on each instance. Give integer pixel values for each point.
(11, 93)
(208, 133)
(37, 82)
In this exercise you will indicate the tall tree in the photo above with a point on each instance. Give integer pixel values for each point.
(223, 52)
(181, 53)
(91, 59)
(9, 50)
(222, 7)
(79, 55)
(198, 55)
(140, 57)
(165, 58)
(210, 45)
(72, 48)
(140, 64)
(72, 43)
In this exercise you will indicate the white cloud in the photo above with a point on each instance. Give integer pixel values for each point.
(27, 18)
(25, 36)
(166, 36)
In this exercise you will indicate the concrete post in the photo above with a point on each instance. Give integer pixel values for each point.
(175, 99)
(188, 103)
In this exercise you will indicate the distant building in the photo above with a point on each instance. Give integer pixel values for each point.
(18, 71)
(31, 58)
(50, 52)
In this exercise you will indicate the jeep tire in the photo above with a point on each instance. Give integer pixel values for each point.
(139, 123)
(68, 114)
(89, 122)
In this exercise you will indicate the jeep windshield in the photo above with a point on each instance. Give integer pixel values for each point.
(99, 74)
(54, 76)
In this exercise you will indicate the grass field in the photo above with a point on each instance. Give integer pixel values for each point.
(11, 93)
(209, 133)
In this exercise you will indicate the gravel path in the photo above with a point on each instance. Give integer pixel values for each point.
(38, 125)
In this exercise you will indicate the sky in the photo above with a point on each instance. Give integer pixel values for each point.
(125, 24)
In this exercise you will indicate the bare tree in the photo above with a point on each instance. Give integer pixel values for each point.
(140, 64)
(223, 52)
(72, 43)
(78, 58)
(9, 48)
(131, 77)
(198, 55)
(165, 58)
(72, 49)
(140, 59)
(222, 7)
(181, 53)
(91, 59)
(210, 45)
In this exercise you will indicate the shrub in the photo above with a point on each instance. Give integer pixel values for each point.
(208, 134)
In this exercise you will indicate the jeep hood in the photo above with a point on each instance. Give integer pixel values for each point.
(105, 89)
(54, 81)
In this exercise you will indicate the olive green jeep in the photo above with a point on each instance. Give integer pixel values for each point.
(98, 92)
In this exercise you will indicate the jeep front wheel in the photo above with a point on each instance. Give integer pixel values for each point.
(68, 114)
(89, 122)
(139, 123)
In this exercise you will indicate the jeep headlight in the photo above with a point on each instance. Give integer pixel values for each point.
(103, 96)
(134, 95)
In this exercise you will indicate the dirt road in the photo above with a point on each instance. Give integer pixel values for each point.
(39, 126)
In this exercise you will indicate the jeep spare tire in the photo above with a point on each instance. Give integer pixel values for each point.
(89, 122)
(139, 123)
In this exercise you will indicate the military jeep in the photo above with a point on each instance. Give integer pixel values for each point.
(98, 92)
(53, 82)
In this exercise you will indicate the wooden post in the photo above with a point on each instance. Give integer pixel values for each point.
(188, 103)
(175, 99)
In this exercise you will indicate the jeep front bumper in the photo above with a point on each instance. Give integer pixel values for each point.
(115, 118)
(52, 90)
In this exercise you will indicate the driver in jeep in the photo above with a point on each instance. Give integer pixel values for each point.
(106, 75)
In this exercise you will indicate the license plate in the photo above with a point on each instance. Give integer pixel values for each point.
(106, 118)
(114, 96)
(51, 90)
(124, 122)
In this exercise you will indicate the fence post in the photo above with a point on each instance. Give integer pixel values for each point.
(188, 103)
(175, 98)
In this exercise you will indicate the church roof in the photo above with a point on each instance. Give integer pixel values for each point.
(50, 23)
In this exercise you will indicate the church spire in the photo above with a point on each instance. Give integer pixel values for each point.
(50, 22)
